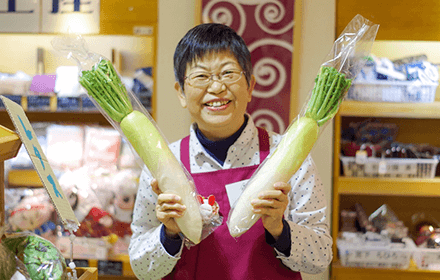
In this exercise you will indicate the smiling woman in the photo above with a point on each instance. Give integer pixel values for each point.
(218, 102)
(214, 82)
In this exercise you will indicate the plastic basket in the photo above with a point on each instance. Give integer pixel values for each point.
(390, 167)
(427, 258)
(393, 91)
(365, 255)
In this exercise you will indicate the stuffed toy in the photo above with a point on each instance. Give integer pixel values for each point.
(125, 189)
(208, 208)
(35, 214)
(94, 220)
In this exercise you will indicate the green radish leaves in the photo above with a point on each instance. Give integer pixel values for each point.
(106, 88)
(328, 92)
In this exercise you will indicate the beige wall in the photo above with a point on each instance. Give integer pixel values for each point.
(317, 37)
(176, 17)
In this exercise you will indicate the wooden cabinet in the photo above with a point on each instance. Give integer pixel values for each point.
(128, 17)
(417, 124)
(399, 20)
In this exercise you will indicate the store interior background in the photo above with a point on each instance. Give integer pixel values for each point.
(314, 36)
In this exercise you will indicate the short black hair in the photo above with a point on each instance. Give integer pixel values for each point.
(210, 38)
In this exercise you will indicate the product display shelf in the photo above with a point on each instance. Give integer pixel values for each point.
(417, 123)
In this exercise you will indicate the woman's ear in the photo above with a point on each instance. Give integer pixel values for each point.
(251, 86)
(180, 94)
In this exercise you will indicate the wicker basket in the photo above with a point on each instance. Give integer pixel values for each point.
(393, 91)
(390, 167)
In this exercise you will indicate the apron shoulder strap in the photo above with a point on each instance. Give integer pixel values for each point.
(184, 153)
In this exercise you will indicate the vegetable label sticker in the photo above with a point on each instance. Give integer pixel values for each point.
(40, 162)
(234, 191)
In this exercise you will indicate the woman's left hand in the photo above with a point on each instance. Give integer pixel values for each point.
(271, 204)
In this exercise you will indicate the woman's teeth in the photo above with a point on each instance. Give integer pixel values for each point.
(217, 103)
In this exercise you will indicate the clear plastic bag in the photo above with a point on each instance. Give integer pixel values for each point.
(342, 64)
(127, 115)
(33, 257)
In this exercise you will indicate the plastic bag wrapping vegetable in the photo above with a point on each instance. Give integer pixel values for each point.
(33, 257)
(341, 65)
(126, 114)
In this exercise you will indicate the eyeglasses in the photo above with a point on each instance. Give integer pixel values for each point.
(202, 79)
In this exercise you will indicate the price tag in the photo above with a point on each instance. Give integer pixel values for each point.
(79, 263)
(234, 191)
(382, 169)
(109, 268)
(361, 157)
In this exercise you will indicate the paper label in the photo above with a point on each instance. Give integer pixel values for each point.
(40, 162)
(361, 157)
(382, 167)
(234, 191)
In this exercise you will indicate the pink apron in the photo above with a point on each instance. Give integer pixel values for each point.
(220, 256)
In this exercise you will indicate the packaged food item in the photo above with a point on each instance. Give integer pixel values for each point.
(41, 259)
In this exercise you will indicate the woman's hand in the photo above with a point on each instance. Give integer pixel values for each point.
(168, 207)
(271, 205)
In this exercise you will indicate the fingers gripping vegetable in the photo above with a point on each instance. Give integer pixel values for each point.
(330, 87)
(104, 85)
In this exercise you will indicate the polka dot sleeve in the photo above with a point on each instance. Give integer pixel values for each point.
(311, 250)
(148, 258)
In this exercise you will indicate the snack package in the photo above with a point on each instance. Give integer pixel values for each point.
(347, 56)
(102, 146)
(41, 259)
(127, 115)
(65, 146)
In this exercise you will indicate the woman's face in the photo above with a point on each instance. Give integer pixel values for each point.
(217, 108)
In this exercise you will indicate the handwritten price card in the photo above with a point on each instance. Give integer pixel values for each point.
(40, 162)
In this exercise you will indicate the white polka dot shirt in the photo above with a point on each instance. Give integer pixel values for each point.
(311, 248)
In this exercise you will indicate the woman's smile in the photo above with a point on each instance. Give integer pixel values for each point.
(217, 105)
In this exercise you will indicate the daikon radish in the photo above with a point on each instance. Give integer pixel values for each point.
(294, 147)
(105, 87)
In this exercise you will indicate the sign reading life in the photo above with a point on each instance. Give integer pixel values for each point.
(40, 162)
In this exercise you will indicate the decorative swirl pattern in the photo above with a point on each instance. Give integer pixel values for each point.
(267, 28)
(273, 12)
(266, 69)
(224, 15)
(262, 118)
(265, 72)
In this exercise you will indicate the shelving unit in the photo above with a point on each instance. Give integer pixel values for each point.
(417, 123)
(9, 145)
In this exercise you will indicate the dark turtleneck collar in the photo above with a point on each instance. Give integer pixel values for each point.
(219, 149)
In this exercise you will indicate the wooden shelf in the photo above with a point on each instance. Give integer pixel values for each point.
(340, 272)
(417, 122)
(389, 186)
(24, 178)
(390, 110)
(9, 143)
(68, 117)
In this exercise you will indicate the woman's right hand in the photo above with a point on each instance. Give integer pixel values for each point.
(168, 207)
